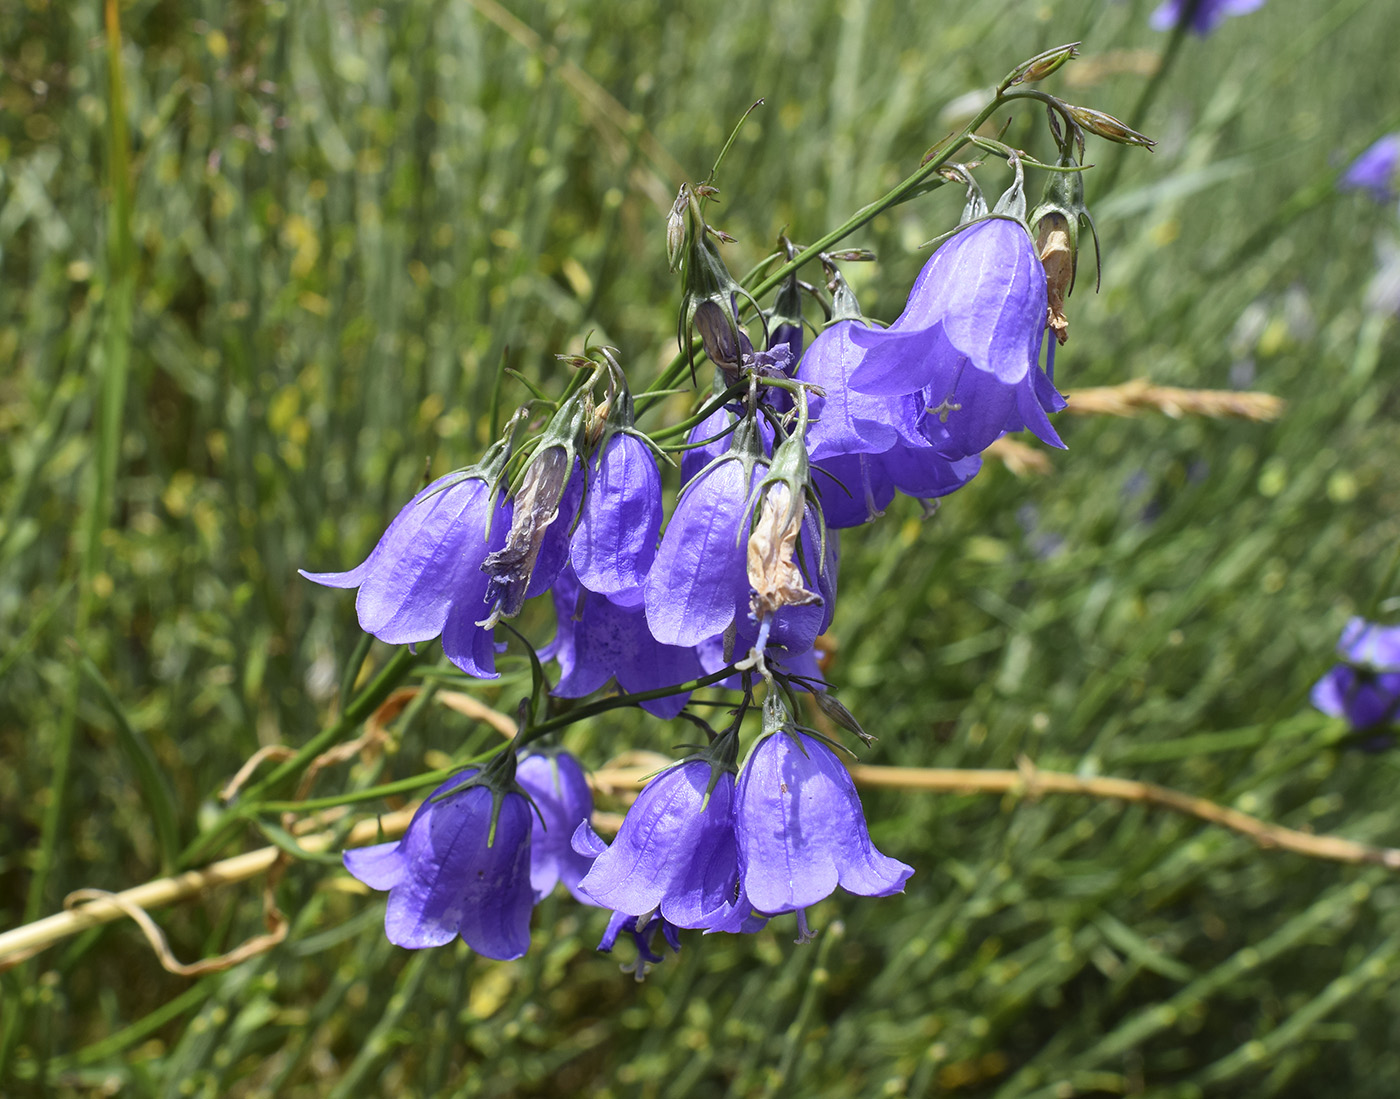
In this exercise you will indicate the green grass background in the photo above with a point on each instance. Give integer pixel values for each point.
(341, 218)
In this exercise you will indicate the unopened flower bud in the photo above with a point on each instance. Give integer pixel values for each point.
(726, 344)
(1041, 65)
(1106, 126)
(675, 228)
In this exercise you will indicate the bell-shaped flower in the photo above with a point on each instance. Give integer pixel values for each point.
(867, 447)
(598, 640)
(1204, 14)
(462, 868)
(424, 577)
(557, 785)
(614, 542)
(801, 830)
(1376, 171)
(698, 584)
(1365, 688)
(969, 338)
(675, 853)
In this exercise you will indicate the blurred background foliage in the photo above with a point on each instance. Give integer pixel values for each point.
(343, 217)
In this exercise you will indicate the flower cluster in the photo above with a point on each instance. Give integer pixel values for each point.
(731, 590)
(1365, 688)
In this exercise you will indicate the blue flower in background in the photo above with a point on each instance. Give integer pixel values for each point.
(1203, 14)
(969, 340)
(675, 853)
(1376, 170)
(424, 577)
(1365, 688)
(801, 830)
(556, 783)
(456, 872)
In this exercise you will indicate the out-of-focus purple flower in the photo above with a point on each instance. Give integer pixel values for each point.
(598, 640)
(801, 830)
(424, 577)
(1376, 170)
(556, 783)
(1365, 689)
(1203, 14)
(698, 583)
(614, 542)
(969, 338)
(675, 853)
(453, 874)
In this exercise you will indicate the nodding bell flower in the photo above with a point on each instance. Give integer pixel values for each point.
(698, 584)
(598, 640)
(675, 854)
(614, 542)
(1204, 14)
(800, 827)
(462, 868)
(969, 339)
(865, 447)
(558, 786)
(424, 577)
(1365, 687)
(538, 542)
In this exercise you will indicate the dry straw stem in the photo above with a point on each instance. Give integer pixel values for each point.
(1130, 398)
(1027, 781)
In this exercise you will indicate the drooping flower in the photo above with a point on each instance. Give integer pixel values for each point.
(1376, 171)
(556, 783)
(1365, 687)
(698, 584)
(675, 853)
(614, 542)
(598, 640)
(801, 830)
(867, 447)
(424, 577)
(457, 871)
(1204, 17)
(969, 339)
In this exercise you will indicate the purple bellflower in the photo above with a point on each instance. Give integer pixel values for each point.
(598, 640)
(698, 585)
(557, 785)
(969, 339)
(424, 577)
(801, 830)
(1376, 171)
(1203, 14)
(1365, 688)
(462, 868)
(675, 853)
(868, 447)
(614, 542)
